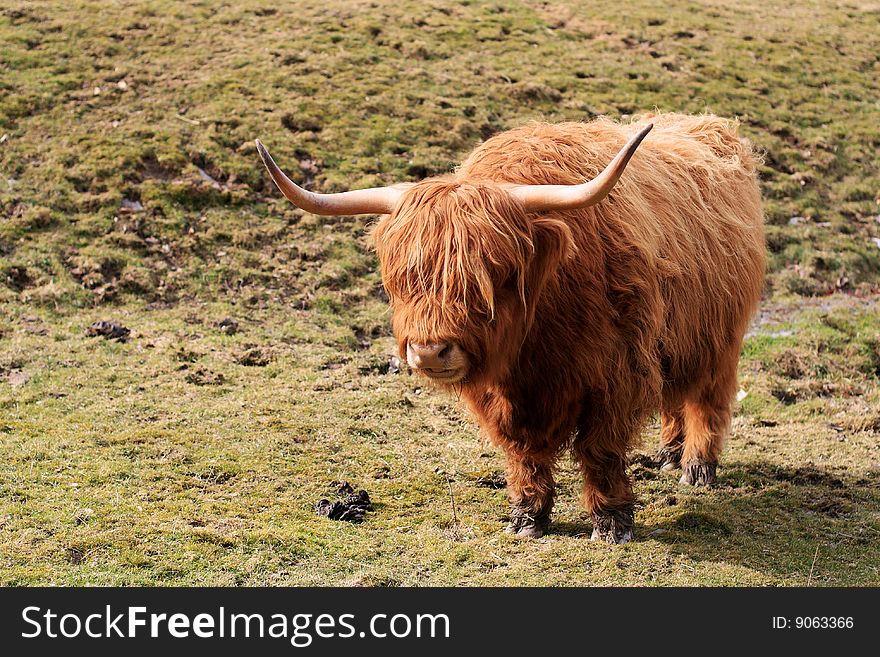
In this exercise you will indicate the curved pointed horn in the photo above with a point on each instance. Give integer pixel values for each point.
(542, 198)
(378, 200)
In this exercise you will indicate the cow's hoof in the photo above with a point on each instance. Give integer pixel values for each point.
(527, 523)
(614, 527)
(668, 458)
(698, 473)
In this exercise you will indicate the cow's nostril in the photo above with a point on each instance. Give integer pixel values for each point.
(430, 356)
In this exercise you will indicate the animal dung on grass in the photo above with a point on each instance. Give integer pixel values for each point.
(352, 505)
(109, 330)
(227, 325)
(202, 376)
(568, 281)
(253, 356)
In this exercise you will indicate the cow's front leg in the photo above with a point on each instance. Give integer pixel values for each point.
(532, 430)
(530, 490)
(601, 449)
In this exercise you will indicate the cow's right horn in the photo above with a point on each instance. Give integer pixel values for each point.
(378, 200)
(544, 198)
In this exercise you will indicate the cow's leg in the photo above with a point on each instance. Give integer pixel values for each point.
(707, 422)
(601, 449)
(668, 456)
(706, 425)
(532, 428)
(530, 489)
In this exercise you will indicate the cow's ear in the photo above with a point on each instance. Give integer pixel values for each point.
(554, 244)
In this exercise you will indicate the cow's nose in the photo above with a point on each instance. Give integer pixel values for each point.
(427, 356)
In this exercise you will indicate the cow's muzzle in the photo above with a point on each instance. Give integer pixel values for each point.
(445, 362)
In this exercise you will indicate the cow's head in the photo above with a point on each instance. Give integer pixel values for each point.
(463, 262)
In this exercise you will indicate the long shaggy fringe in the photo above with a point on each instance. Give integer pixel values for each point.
(453, 243)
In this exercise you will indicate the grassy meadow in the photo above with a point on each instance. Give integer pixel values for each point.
(193, 452)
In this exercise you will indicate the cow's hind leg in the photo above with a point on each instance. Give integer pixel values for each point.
(668, 455)
(601, 449)
(706, 423)
(530, 489)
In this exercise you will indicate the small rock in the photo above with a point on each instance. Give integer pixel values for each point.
(204, 175)
(308, 166)
(131, 206)
(17, 378)
(394, 365)
(742, 394)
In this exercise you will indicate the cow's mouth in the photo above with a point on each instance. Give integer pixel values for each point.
(444, 375)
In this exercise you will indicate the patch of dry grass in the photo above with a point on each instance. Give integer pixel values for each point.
(193, 454)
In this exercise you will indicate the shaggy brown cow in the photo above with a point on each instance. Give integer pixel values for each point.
(565, 317)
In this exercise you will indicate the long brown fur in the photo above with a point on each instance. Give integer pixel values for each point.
(581, 324)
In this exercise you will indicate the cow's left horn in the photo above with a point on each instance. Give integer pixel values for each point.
(378, 200)
(543, 198)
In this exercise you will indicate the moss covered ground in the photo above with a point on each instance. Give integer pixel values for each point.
(192, 454)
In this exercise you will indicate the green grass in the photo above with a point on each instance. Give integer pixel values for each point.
(167, 460)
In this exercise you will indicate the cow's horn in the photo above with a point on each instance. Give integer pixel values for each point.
(378, 200)
(543, 198)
